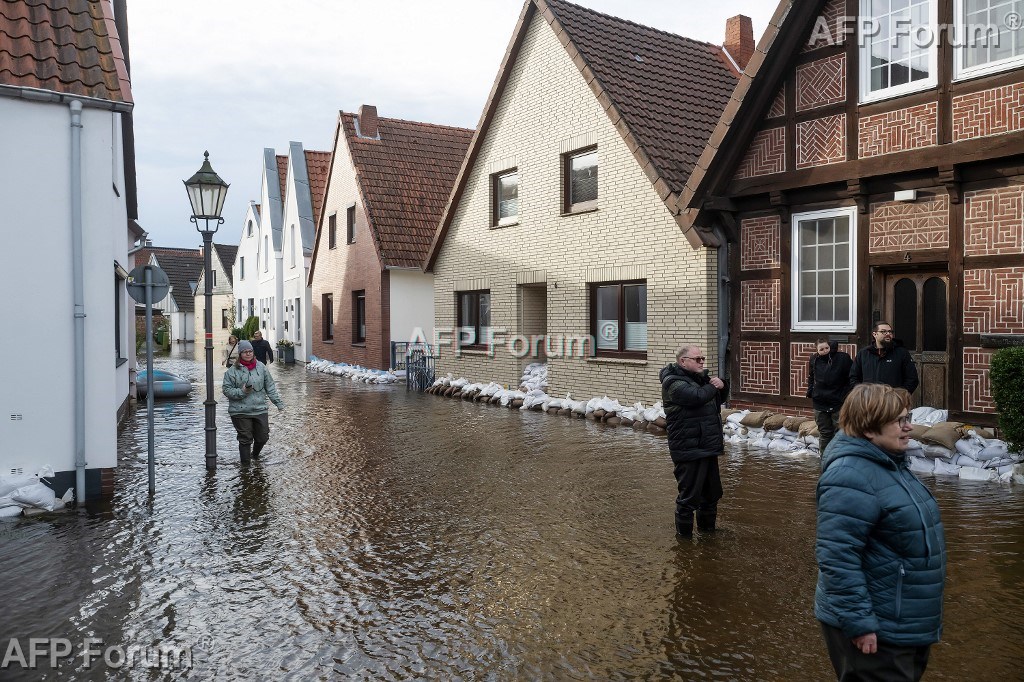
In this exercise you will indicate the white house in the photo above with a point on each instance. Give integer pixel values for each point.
(183, 268)
(245, 283)
(67, 174)
(223, 302)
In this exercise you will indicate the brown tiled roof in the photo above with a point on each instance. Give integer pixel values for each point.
(65, 46)
(318, 164)
(282, 173)
(405, 178)
(663, 92)
(227, 253)
(181, 265)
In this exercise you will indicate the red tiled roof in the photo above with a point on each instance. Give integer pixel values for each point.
(65, 46)
(405, 178)
(318, 164)
(282, 172)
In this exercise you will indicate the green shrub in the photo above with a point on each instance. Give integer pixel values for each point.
(249, 328)
(1007, 376)
(236, 332)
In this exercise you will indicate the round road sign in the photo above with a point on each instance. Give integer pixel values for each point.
(159, 283)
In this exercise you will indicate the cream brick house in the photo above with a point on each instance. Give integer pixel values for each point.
(533, 250)
(221, 263)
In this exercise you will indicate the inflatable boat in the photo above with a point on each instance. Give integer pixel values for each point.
(165, 385)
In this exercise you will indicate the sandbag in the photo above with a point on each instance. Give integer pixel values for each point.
(755, 419)
(7, 512)
(943, 468)
(806, 428)
(977, 474)
(921, 465)
(918, 431)
(997, 449)
(737, 417)
(35, 495)
(982, 432)
(774, 422)
(968, 447)
(938, 451)
(945, 434)
(793, 423)
(966, 461)
(726, 412)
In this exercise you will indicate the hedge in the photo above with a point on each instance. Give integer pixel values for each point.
(1007, 377)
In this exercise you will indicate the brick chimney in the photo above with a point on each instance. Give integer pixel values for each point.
(368, 120)
(739, 39)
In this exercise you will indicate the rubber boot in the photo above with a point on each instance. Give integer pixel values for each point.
(243, 452)
(684, 525)
(706, 522)
(256, 448)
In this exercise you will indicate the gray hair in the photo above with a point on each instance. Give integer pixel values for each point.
(684, 350)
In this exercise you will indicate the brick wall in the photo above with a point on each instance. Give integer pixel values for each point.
(977, 388)
(760, 241)
(767, 154)
(907, 226)
(778, 104)
(760, 305)
(759, 367)
(989, 112)
(345, 269)
(992, 301)
(900, 130)
(821, 141)
(799, 364)
(821, 83)
(546, 110)
(757, 406)
(994, 221)
(831, 26)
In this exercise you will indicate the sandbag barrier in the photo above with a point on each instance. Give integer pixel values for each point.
(937, 446)
(604, 410)
(355, 372)
(29, 494)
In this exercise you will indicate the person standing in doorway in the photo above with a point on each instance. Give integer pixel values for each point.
(828, 382)
(693, 402)
(884, 362)
(264, 353)
(248, 385)
(881, 547)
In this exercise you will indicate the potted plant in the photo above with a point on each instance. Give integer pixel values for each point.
(286, 350)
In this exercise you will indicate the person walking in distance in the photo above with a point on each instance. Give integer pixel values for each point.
(828, 382)
(884, 362)
(880, 547)
(693, 402)
(264, 353)
(230, 351)
(248, 385)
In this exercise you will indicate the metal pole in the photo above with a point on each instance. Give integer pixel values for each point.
(211, 404)
(149, 378)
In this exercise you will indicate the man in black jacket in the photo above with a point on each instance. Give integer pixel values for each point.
(260, 346)
(693, 402)
(828, 382)
(884, 362)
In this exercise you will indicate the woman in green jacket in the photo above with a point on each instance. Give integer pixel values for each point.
(248, 385)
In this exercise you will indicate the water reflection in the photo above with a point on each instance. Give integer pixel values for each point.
(383, 535)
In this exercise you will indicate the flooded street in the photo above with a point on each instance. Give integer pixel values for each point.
(386, 535)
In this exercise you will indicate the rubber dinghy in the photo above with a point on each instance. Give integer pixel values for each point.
(165, 385)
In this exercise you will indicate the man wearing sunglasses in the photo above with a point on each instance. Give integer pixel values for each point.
(884, 362)
(693, 402)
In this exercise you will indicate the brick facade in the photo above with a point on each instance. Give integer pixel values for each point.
(908, 226)
(345, 269)
(900, 130)
(821, 83)
(767, 154)
(994, 221)
(759, 367)
(821, 141)
(760, 307)
(992, 301)
(778, 107)
(977, 388)
(760, 243)
(828, 30)
(631, 235)
(989, 112)
(800, 365)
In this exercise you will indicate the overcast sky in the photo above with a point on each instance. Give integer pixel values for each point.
(235, 76)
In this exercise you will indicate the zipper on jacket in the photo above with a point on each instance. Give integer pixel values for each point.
(899, 591)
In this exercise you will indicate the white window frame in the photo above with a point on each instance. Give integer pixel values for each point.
(496, 188)
(849, 325)
(291, 232)
(961, 72)
(864, 41)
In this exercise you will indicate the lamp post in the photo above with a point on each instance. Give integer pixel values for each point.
(206, 192)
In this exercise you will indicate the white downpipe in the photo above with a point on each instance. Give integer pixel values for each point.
(78, 282)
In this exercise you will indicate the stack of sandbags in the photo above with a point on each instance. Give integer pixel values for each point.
(354, 372)
(29, 493)
(535, 377)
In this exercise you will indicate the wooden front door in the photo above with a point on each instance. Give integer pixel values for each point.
(915, 306)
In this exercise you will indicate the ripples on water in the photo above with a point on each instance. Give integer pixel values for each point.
(388, 536)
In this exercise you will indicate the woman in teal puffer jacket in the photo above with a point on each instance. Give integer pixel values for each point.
(881, 548)
(247, 385)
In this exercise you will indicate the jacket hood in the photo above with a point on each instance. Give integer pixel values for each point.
(833, 347)
(673, 368)
(844, 446)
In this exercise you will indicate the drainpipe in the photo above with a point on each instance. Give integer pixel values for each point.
(723, 300)
(78, 281)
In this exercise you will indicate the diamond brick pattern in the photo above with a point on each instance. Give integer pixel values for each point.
(760, 243)
(778, 104)
(821, 141)
(908, 226)
(989, 112)
(992, 301)
(900, 130)
(759, 367)
(821, 83)
(977, 388)
(767, 154)
(994, 221)
(831, 15)
(760, 305)
(799, 364)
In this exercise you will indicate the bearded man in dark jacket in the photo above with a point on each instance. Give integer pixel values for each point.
(884, 362)
(693, 402)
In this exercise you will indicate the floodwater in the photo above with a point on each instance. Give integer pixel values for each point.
(385, 535)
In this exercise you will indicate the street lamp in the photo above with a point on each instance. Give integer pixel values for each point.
(206, 192)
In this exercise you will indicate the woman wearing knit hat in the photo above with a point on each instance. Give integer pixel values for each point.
(248, 385)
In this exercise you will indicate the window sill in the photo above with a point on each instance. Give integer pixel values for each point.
(329, 341)
(579, 209)
(359, 344)
(465, 350)
(599, 360)
(508, 224)
(120, 361)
